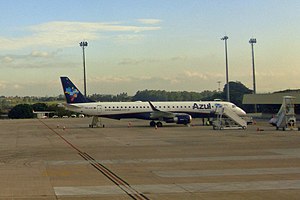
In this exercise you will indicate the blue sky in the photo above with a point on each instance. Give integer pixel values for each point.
(136, 45)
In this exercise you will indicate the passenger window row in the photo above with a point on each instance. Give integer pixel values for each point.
(121, 107)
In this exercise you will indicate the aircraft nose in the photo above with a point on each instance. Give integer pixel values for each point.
(241, 112)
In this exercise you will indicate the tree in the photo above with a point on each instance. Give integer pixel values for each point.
(162, 95)
(21, 111)
(40, 107)
(237, 91)
(60, 111)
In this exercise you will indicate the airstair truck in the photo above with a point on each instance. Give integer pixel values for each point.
(286, 117)
(227, 119)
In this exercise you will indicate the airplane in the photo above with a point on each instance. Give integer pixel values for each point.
(179, 112)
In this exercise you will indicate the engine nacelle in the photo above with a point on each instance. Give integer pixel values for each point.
(180, 119)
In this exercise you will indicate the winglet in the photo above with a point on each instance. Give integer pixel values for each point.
(152, 106)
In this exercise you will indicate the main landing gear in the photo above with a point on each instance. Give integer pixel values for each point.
(157, 124)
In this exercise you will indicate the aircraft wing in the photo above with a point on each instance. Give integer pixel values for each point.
(158, 114)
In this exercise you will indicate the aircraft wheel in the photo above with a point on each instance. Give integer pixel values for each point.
(159, 124)
(152, 123)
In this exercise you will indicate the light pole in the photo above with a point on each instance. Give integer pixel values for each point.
(84, 44)
(252, 41)
(225, 38)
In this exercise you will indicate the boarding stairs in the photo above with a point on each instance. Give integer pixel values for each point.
(286, 118)
(227, 119)
(96, 122)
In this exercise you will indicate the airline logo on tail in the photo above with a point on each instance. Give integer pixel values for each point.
(72, 92)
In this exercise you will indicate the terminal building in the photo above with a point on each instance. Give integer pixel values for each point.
(272, 100)
(42, 114)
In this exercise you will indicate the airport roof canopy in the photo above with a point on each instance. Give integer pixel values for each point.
(274, 98)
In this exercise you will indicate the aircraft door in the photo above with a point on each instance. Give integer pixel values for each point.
(99, 109)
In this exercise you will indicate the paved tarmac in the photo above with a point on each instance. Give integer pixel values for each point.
(64, 159)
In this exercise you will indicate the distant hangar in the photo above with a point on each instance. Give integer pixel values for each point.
(270, 99)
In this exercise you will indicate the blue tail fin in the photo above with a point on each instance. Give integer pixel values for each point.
(72, 94)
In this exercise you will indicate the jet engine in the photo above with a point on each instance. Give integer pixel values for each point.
(180, 119)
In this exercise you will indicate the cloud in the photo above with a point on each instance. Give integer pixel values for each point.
(60, 34)
(17, 86)
(7, 59)
(121, 79)
(23, 58)
(190, 74)
(179, 58)
(203, 76)
(36, 60)
(126, 38)
(129, 61)
(41, 54)
(110, 79)
(135, 80)
(3, 85)
(131, 84)
(150, 21)
(75, 27)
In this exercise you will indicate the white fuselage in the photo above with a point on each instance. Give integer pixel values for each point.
(142, 110)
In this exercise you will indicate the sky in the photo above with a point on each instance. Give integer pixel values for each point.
(133, 45)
